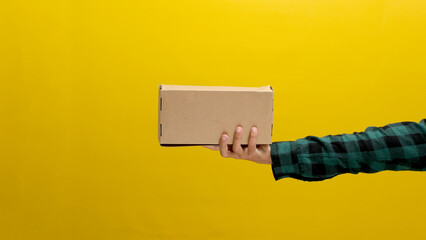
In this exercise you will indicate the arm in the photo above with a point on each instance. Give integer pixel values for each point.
(397, 146)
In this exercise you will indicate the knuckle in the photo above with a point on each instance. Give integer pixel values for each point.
(251, 154)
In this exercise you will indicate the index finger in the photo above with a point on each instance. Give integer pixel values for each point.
(223, 147)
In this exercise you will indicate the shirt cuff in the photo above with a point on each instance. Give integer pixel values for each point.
(284, 160)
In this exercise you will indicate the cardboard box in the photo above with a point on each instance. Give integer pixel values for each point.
(197, 115)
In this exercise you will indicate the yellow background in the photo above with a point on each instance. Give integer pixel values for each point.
(79, 155)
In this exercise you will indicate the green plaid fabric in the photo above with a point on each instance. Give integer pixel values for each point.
(396, 146)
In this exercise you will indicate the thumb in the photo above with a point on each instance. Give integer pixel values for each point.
(212, 147)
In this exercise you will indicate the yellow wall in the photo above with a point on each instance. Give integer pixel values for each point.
(79, 156)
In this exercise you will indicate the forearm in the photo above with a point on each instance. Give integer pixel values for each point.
(397, 146)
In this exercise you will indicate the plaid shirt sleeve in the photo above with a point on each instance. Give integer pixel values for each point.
(396, 146)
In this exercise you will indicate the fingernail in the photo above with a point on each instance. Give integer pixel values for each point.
(254, 129)
(239, 129)
(224, 137)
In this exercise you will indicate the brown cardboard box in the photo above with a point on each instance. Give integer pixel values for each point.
(197, 115)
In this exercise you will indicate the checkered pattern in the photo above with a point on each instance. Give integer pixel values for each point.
(396, 146)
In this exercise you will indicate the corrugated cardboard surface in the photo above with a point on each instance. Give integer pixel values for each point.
(196, 115)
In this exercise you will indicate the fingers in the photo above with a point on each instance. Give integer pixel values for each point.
(236, 146)
(236, 151)
(223, 147)
(252, 141)
(253, 152)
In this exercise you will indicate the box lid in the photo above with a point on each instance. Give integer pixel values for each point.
(214, 88)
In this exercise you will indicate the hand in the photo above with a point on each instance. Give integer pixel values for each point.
(253, 152)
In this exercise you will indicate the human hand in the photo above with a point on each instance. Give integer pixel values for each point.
(253, 152)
